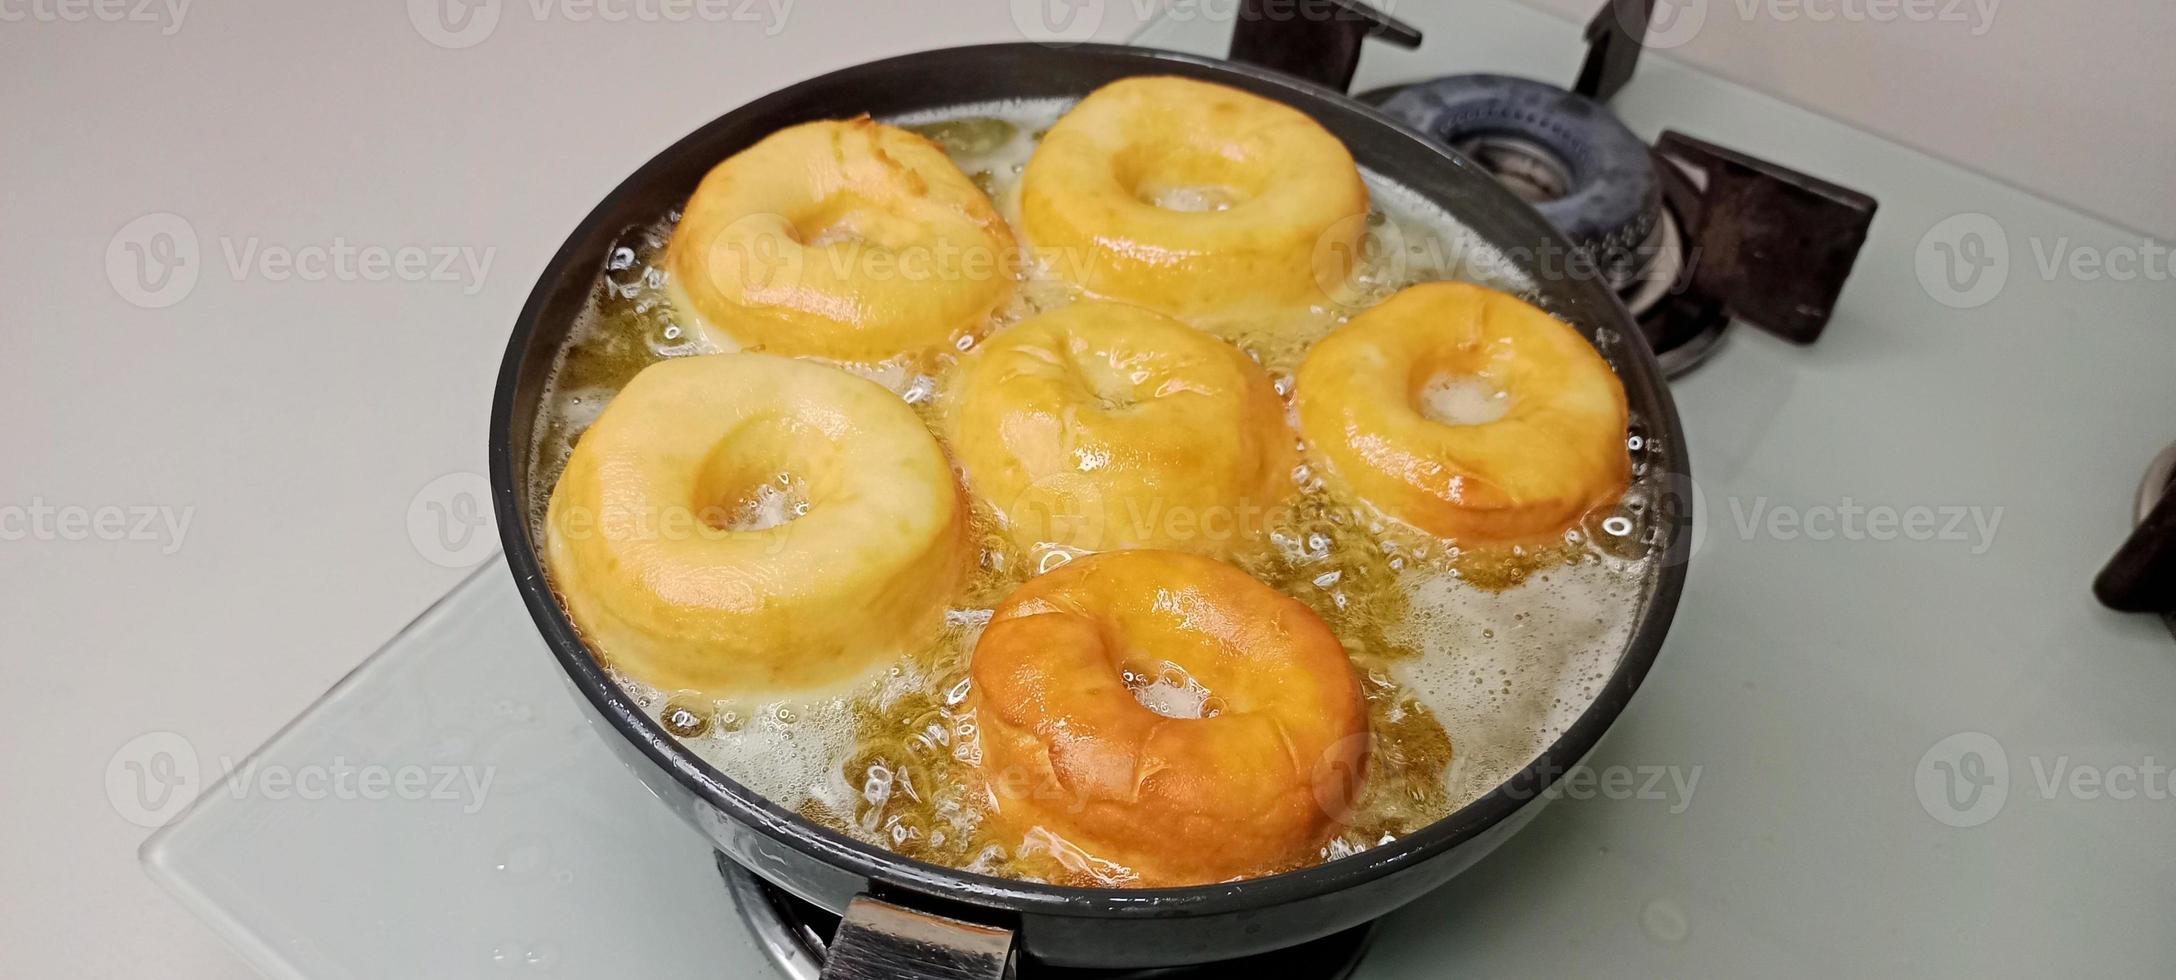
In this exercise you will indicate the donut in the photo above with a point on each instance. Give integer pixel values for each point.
(1193, 198)
(1543, 442)
(1100, 426)
(841, 239)
(1249, 784)
(737, 523)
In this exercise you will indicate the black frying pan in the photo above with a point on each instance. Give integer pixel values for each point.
(1069, 927)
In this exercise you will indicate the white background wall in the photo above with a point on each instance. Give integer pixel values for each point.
(2073, 101)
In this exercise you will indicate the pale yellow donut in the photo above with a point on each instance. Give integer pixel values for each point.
(653, 543)
(1289, 207)
(1557, 451)
(848, 240)
(1100, 426)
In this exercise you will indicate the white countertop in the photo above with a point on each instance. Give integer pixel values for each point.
(289, 423)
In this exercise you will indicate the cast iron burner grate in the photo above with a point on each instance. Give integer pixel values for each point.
(795, 935)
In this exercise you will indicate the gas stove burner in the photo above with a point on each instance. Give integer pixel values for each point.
(1693, 236)
(1690, 235)
(1580, 168)
(796, 935)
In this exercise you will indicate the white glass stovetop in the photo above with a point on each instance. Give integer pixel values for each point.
(1917, 752)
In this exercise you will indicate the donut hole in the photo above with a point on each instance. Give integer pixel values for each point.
(1186, 178)
(1105, 378)
(1169, 690)
(1187, 197)
(1451, 398)
(847, 219)
(764, 474)
(778, 501)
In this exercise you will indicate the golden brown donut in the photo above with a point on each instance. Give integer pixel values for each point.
(1101, 426)
(1076, 761)
(847, 240)
(1556, 451)
(1194, 198)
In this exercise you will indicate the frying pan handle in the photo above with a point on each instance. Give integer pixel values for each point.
(881, 941)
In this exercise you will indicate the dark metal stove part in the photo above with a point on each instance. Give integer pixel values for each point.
(1769, 244)
(798, 937)
(2142, 575)
(1318, 40)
